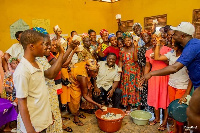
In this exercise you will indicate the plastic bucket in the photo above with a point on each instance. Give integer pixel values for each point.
(109, 125)
(177, 111)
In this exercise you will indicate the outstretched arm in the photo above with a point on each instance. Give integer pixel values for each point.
(162, 72)
(84, 89)
(52, 72)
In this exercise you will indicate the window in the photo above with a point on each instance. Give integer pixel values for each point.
(148, 21)
(196, 22)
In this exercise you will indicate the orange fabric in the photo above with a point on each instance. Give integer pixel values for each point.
(75, 90)
(65, 96)
(175, 93)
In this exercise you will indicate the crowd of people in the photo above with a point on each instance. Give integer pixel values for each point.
(42, 76)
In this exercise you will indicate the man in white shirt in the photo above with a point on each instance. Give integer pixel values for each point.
(107, 82)
(16, 50)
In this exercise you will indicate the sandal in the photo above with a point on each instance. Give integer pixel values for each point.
(65, 118)
(81, 116)
(79, 123)
(154, 122)
(68, 129)
(162, 127)
(127, 113)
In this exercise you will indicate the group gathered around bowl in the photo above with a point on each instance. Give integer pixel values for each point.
(43, 75)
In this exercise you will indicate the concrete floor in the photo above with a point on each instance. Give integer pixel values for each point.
(90, 126)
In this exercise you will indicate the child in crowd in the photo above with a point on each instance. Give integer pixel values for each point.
(111, 49)
(31, 90)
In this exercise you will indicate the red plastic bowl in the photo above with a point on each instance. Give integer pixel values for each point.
(109, 125)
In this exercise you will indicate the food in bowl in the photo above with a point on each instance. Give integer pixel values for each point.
(111, 116)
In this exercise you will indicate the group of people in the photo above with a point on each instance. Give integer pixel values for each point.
(42, 75)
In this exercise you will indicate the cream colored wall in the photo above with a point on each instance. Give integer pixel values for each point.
(81, 15)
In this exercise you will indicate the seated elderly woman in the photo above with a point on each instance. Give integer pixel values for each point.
(80, 76)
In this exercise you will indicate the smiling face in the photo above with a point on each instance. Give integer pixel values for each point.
(120, 43)
(128, 41)
(14, 64)
(111, 59)
(86, 42)
(146, 38)
(58, 32)
(105, 37)
(113, 41)
(93, 36)
(153, 40)
(137, 30)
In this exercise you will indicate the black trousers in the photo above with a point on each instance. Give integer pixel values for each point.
(103, 97)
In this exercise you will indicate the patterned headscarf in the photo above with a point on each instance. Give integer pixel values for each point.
(12, 59)
(56, 28)
(111, 35)
(92, 64)
(85, 35)
(137, 24)
(127, 34)
(40, 29)
(103, 31)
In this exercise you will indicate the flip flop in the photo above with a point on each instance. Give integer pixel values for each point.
(127, 112)
(154, 122)
(68, 129)
(81, 115)
(79, 123)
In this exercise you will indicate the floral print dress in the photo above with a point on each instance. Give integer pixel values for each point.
(129, 83)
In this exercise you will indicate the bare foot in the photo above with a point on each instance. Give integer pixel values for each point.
(7, 129)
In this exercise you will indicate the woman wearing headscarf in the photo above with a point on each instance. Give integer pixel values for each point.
(130, 73)
(57, 30)
(80, 76)
(111, 49)
(85, 52)
(103, 42)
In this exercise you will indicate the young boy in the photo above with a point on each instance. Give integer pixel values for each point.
(32, 93)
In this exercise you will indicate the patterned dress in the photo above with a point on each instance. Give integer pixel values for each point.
(129, 83)
(84, 55)
(56, 127)
(142, 62)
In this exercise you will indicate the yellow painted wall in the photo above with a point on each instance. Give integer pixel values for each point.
(81, 15)
(176, 10)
